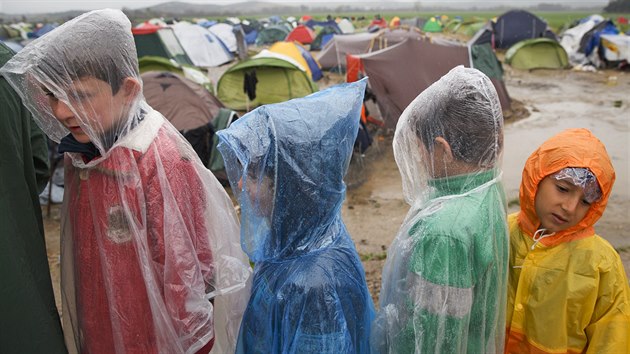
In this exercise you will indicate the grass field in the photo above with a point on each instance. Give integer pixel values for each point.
(556, 20)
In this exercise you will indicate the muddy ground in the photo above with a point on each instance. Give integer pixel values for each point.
(547, 101)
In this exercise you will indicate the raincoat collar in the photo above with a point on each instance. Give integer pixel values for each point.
(461, 183)
(570, 148)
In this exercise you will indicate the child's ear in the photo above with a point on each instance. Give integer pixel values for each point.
(444, 149)
(131, 88)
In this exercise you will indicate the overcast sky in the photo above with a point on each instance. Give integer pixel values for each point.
(39, 6)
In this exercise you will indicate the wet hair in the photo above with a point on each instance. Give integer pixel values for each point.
(465, 118)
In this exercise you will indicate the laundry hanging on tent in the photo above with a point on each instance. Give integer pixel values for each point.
(249, 84)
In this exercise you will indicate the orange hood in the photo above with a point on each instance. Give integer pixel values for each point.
(570, 148)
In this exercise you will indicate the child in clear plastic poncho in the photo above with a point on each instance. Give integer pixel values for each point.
(444, 281)
(286, 164)
(567, 289)
(149, 237)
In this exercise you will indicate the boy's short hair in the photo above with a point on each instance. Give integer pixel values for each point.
(78, 56)
(465, 111)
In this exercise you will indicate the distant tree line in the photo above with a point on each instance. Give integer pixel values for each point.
(618, 6)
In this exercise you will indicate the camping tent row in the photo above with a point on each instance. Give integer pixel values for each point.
(399, 72)
(188, 43)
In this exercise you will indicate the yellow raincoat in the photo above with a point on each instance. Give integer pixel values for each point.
(570, 293)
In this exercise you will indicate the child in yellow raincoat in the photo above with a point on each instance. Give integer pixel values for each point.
(567, 288)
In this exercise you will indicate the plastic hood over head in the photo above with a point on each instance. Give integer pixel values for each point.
(151, 260)
(87, 69)
(444, 281)
(570, 148)
(439, 111)
(286, 164)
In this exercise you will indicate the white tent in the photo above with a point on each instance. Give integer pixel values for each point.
(346, 26)
(225, 34)
(571, 39)
(203, 47)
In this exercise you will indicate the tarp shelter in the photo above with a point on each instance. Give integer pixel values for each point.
(187, 105)
(296, 52)
(572, 38)
(225, 33)
(302, 34)
(202, 46)
(512, 27)
(334, 53)
(432, 25)
(159, 41)
(537, 53)
(272, 34)
(262, 80)
(399, 73)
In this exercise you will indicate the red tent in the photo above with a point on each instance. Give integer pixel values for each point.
(145, 28)
(301, 34)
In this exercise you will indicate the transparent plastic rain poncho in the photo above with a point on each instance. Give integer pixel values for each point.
(286, 164)
(444, 281)
(151, 261)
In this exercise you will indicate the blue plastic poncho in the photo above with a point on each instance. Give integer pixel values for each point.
(286, 164)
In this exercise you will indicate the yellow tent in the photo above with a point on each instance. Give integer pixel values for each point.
(291, 50)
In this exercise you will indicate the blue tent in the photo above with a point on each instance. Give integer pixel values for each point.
(316, 71)
(513, 27)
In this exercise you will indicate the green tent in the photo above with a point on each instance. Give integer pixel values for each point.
(433, 25)
(162, 43)
(272, 34)
(268, 79)
(537, 53)
(486, 61)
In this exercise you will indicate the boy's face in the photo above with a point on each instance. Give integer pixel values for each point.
(97, 107)
(559, 204)
(261, 193)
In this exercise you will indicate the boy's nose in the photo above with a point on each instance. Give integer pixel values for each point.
(61, 110)
(570, 203)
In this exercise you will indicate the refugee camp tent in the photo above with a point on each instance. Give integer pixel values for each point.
(43, 30)
(302, 34)
(394, 22)
(272, 34)
(616, 48)
(203, 47)
(15, 46)
(512, 27)
(333, 55)
(346, 26)
(324, 36)
(267, 78)
(159, 41)
(537, 53)
(224, 32)
(413, 22)
(296, 52)
(432, 25)
(150, 63)
(187, 105)
(399, 73)
(572, 37)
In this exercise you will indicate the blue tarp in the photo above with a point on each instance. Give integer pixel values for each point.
(286, 164)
